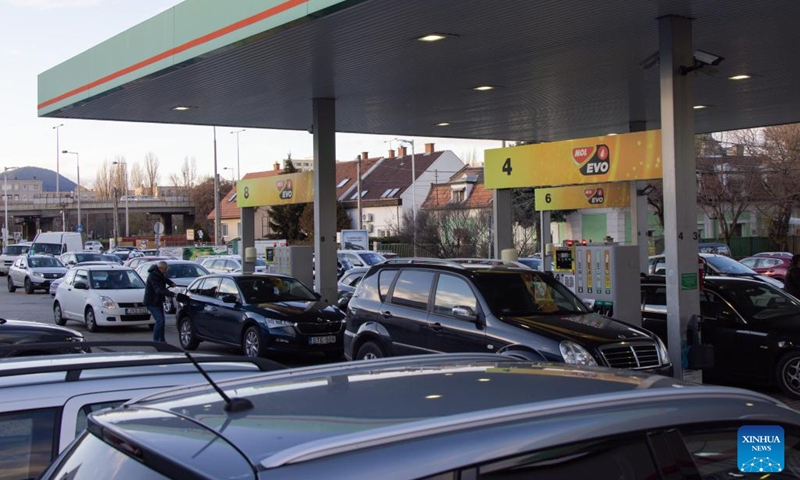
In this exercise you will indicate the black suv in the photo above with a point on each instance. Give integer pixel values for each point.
(405, 307)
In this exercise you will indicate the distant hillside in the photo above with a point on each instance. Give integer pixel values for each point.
(48, 177)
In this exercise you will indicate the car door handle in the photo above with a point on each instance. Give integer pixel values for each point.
(437, 327)
(386, 314)
(211, 309)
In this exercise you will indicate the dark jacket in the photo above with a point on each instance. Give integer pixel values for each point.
(792, 282)
(155, 291)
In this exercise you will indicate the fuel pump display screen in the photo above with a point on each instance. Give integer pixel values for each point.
(563, 259)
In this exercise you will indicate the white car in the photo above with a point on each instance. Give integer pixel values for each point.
(93, 246)
(10, 254)
(102, 296)
(230, 264)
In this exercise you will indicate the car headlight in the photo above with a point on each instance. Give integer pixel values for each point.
(38, 274)
(273, 323)
(575, 354)
(108, 304)
(663, 354)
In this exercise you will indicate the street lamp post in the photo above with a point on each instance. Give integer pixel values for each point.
(238, 166)
(125, 179)
(58, 164)
(78, 190)
(233, 173)
(5, 197)
(217, 217)
(413, 189)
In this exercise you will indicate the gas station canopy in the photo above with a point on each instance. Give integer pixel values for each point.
(561, 68)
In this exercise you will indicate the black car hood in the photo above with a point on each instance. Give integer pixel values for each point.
(298, 311)
(20, 325)
(591, 327)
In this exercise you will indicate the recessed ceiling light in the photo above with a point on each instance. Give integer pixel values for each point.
(484, 88)
(443, 124)
(432, 37)
(432, 397)
(743, 76)
(610, 134)
(700, 107)
(182, 108)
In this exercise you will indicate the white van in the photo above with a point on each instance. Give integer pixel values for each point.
(56, 243)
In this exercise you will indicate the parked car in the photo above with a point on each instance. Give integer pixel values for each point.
(136, 261)
(715, 248)
(110, 257)
(348, 282)
(774, 266)
(102, 296)
(19, 333)
(753, 326)
(10, 254)
(440, 417)
(55, 283)
(181, 272)
(70, 259)
(44, 404)
(358, 258)
(94, 246)
(230, 264)
(34, 272)
(259, 313)
(402, 308)
(534, 263)
(714, 265)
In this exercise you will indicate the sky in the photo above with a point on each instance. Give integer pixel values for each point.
(36, 35)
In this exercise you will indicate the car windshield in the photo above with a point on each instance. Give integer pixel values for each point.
(533, 263)
(183, 270)
(122, 254)
(527, 293)
(269, 289)
(760, 301)
(371, 258)
(728, 266)
(46, 248)
(88, 257)
(16, 250)
(44, 262)
(115, 280)
(110, 258)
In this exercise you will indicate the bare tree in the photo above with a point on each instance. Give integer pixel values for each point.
(152, 175)
(117, 174)
(103, 183)
(449, 233)
(137, 177)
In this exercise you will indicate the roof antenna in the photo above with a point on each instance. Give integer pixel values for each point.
(231, 404)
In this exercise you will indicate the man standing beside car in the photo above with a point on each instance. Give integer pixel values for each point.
(156, 292)
(792, 282)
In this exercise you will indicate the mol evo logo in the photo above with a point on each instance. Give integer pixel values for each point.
(592, 160)
(760, 448)
(285, 189)
(595, 196)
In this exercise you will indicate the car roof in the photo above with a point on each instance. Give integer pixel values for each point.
(711, 279)
(109, 266)
(317, 412)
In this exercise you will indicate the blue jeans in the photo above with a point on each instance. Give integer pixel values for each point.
(158, 330)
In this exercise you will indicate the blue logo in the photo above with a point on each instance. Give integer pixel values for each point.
(761, 449)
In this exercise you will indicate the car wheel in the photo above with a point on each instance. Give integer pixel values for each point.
(11, 287)
(186, 334)
(91, 321)
(369, 351)
(28, 286)
(58, 315)
(252, 344)
(788, 374)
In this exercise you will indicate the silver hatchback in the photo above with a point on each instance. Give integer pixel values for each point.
(34, 272)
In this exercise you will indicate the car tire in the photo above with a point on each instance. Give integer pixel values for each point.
(91, 320)
(11, 287)
(252, 343)
(186, 335)
(369, 351)
(58, 315)
(28, 286)
(788, 375)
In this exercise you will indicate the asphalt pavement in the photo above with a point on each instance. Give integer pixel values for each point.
(38, 307)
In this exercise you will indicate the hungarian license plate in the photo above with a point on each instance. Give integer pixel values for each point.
(136, 311)
(322, 340)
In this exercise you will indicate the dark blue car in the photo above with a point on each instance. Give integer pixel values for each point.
(260, 313)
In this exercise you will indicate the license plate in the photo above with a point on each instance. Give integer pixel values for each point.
(136, 311)
(322, 340)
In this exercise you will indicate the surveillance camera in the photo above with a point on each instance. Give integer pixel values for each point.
(707, 58)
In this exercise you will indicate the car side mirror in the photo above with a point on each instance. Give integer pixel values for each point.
(465, 313)
(71, 263)
(344, 301)
(229, 298)
(81, 286)
(182, 298)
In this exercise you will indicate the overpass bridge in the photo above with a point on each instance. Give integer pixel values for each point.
(44, 213)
